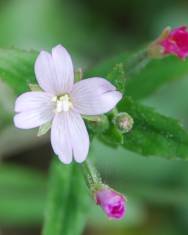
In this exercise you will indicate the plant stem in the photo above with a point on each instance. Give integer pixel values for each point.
(91, 174)
(137, 62)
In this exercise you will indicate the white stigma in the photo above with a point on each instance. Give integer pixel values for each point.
(63, 103)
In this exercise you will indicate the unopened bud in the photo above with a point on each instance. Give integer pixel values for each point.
(124, 122)
(177, 42)
(112, 203)
(171, 42)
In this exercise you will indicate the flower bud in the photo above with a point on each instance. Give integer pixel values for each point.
(171, 41)
(112, 203)
(176, 43)
(124, 122)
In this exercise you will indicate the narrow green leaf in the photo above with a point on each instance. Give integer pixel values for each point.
(154, 134)
(154, 75)
(67, 201)
(106, 67)
(17, 68)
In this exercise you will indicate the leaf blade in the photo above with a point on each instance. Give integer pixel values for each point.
(65, 201)
(154, 134)
(17, 68)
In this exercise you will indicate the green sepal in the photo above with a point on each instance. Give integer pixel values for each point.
(43, 129)
(34, 87)
(99, 124)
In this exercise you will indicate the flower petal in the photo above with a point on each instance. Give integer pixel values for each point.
(33, 118)
(54, 72)
(60, 138)
(64, 68)
(69, 135)
(79, 137)
(94, 96)
(33, 100)
(36, 108)
(45, 72)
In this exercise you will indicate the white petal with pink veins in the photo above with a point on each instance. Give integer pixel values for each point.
(45, 72)
(79, 137)
(60, 137)
(54, 72)
(33, 100)
(64, 68)
(94, 96)
(69, 137)
(33, 118)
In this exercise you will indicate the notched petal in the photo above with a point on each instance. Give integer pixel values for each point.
(94, 96)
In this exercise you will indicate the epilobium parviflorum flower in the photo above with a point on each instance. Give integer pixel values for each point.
(62, 103)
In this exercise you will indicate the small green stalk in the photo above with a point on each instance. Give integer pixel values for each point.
(137, 62)
(92, 176)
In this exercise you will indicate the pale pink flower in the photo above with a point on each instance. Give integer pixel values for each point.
(176, 42)
(63, 103)
(112, 203)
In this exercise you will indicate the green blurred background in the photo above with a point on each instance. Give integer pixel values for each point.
(157, 189)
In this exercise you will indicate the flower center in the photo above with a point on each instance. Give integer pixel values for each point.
(63, 103)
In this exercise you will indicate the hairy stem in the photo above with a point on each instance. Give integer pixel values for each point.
(91, 175)
(137, 62)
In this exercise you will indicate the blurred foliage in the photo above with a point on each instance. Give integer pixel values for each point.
(17, 68)
(22, 195)
(67, 201)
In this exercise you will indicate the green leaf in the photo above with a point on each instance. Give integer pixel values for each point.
(17, 68)
(154, 75)
(67, 204)
(6, 104)
(22, 195)
(154, 134)
(117, 77)
(105, 67)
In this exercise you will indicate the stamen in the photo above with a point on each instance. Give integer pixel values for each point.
(63, 103)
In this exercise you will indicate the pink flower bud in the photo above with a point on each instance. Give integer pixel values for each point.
(113, 203)
(176, 42)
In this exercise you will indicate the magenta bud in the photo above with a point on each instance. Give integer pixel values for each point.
(176, 42)
(112, 203)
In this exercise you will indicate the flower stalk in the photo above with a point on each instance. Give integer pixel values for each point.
(91, 175)
(137, 62)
